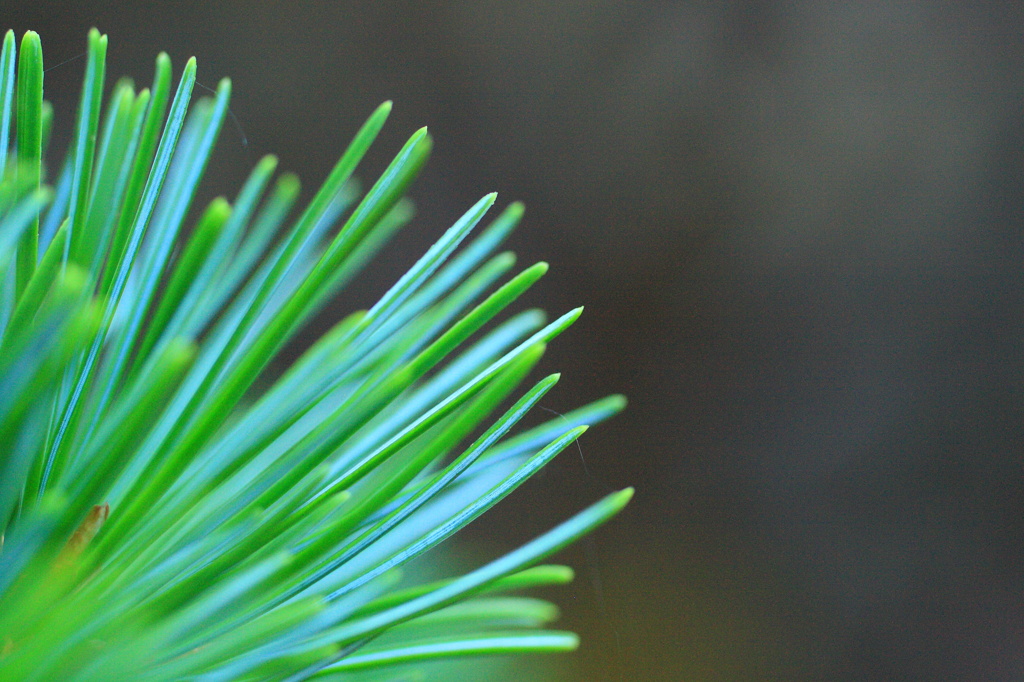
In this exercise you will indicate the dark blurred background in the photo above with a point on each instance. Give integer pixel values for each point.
(797, 231)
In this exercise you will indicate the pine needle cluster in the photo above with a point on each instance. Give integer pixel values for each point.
(168, 513)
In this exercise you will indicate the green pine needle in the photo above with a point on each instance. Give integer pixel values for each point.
(166, 512)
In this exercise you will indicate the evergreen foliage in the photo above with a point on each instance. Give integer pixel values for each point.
(165, 516)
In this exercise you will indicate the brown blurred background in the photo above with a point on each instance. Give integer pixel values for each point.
(797, 231)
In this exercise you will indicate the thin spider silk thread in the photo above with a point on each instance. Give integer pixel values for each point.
(66, 61)
(242, 137)
(593, 562)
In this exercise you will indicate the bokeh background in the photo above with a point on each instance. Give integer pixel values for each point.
(796, 227)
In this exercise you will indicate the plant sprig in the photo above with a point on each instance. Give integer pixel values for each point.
(164, 516)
